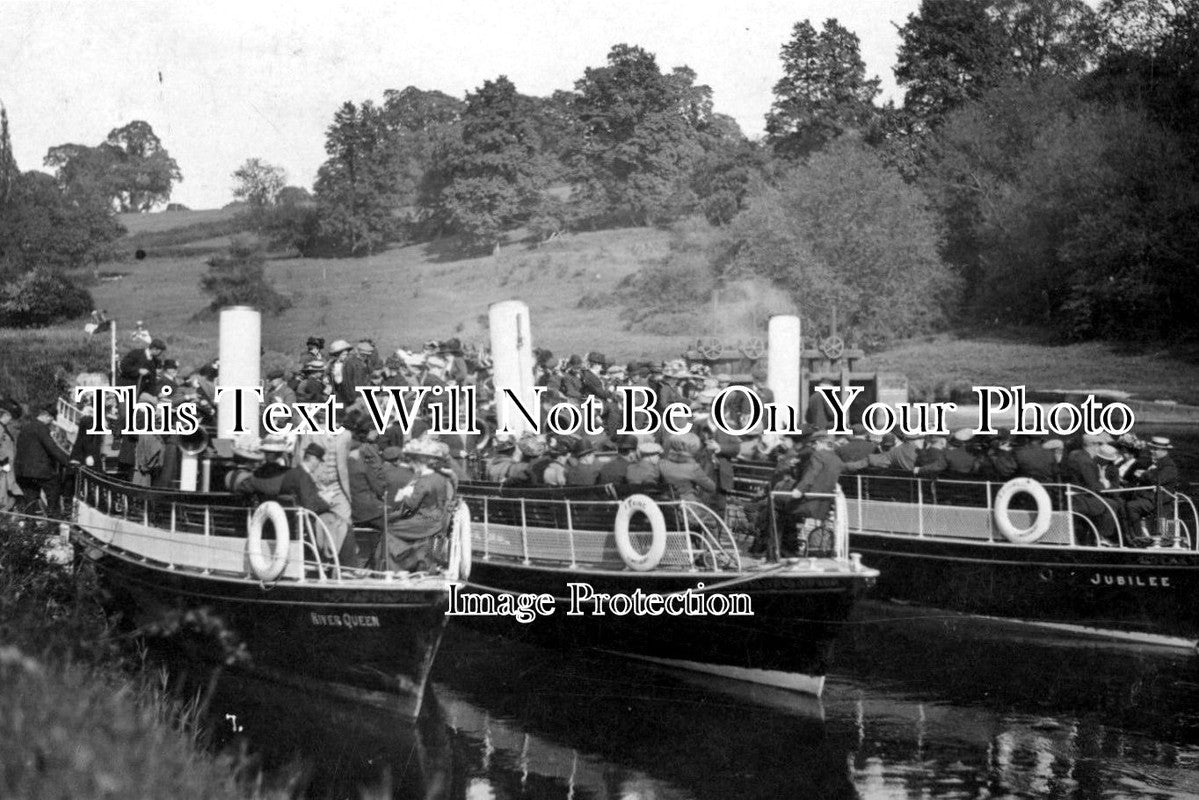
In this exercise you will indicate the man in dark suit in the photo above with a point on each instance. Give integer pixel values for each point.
(819, 478)
(1082, 469)
(1162, 473)
(139, 368)
(38, 460)
(1034, 461)
(959, 460)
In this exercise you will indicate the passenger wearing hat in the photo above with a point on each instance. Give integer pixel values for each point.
(456, 369)
(339, 353)
(615, 470)
(583, 469)
(396, 472)
(819, 477)
(1000, 461)
(932, 459)
(858, 447)
(1034, 461)
(314, 349)
(139, 368)
(277, 390)
(959, 458)
(418, 512)
(1161, 474)
(592, 383)
(276, 478)
(902, 457)
(311, 388)
(332, 478)
(247, 452)
(681, 472)
(559, 459)
(368, 485)
(1082, 468)
(646, 470)
(819, 413)
(168, 377)
(37, 461)
(572, 381)
(505, 466)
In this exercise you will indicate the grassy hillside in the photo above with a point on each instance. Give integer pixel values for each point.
(411, 294)
(408, 295)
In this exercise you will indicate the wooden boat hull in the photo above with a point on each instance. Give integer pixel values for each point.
(1149, 592)
(365, 643)
(786, 642)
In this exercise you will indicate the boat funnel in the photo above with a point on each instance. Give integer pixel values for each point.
(512, 364)
(241, 360)
(783, 360)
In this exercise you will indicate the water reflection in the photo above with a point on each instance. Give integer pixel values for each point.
(922, 708)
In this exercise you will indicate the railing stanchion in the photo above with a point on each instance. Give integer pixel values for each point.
(486, 530)
(524, 532)
(570, 530)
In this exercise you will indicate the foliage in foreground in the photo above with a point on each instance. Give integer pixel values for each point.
(72, 721)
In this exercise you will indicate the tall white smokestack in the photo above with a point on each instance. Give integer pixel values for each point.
(512, 362)
(241, 360)
(783, 361)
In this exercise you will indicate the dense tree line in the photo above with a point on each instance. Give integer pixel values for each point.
(1040, 169)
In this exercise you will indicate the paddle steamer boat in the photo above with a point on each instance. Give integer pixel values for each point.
(257, 578)
(1021, 549)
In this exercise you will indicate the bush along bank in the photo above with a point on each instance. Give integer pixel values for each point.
(78, 718)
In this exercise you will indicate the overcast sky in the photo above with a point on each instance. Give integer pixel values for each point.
(223, 81)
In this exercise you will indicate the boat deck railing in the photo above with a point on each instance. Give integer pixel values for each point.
(580, 532)
(206, 533)
(965, 509)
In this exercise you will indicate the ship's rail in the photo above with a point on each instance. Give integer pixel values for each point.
(205, 533)
(576, 533)
(948, 508)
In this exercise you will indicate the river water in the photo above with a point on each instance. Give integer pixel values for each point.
(931, 706)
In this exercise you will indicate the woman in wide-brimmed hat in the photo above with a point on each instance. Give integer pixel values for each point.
(419, 511)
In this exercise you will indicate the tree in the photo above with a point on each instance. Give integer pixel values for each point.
(950, 52)
(8, 164)
(356, 188)
(131, 169)
(497, 173)
(237, 277)
(259, 183)
(640, 138)
(823, 92)
(418, 123)
(1049, 37)
(845, 231)
(42, 227)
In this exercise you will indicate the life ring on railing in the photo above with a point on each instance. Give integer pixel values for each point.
(1041, 522)
(264, 569)
(462, 540)
(642, 562)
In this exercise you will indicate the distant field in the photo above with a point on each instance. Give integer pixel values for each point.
(159, 221)
(408, 295)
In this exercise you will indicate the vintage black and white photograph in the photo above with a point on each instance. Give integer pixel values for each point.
(486, 400)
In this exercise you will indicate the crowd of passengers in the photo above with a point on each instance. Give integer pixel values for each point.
(403, 485)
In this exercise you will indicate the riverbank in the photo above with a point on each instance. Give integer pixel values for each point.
(78, 717)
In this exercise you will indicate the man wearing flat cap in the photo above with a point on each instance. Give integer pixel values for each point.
(592, 383)
(819, 478)
(139, 368)
(277, 390)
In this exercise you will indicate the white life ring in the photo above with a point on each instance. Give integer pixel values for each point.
(462, 540)
(642, 562)
(1041, 522)
(263, 569)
